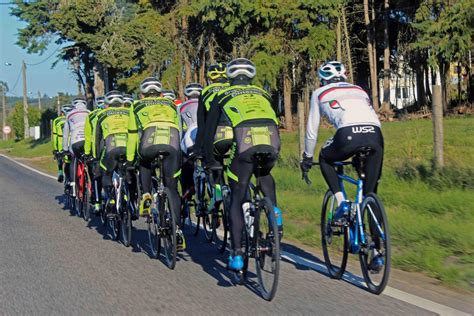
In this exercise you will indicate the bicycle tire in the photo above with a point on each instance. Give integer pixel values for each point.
(225, 221)
(168, 225)
(241, 276)
(336, 268)
(372, 206)
(267, 245)
(194, 221)
(113, 222)
(125, 221)
(153, 234)
(207, 225)
(86, 199)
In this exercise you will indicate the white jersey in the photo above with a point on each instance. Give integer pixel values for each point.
(188, 117)
(344, 104)
(74, 127)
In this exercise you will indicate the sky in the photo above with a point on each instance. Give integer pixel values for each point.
(40, 77)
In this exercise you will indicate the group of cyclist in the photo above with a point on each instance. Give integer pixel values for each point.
(230, 117)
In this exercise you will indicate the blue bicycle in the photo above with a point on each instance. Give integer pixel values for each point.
(363, 231)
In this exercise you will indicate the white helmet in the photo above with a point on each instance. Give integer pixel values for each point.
(150, 84)
(114, 97)
(100, 102)
(192, 90)
(241, 66)
(332, 71)
(79, 103)
(169, 94)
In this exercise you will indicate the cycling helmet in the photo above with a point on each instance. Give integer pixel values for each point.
(192, 90)
(332, 71)
(241, 66)
(128, 99)
(150, 84)
(65, 109)
(113, 97)
(216, 71)
(79, 102)
(169, 94)
(100, 102)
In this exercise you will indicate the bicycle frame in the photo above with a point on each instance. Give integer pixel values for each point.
(356, 232)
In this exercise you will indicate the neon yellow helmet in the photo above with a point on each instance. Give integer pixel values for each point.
(216, 71)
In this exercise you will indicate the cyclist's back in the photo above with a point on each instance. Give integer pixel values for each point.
(73, 135)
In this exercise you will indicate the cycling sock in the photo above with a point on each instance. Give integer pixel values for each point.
(339, 197)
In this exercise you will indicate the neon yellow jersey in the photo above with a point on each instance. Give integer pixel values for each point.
(149, 112)
(57, 131)
(89, 132)
(111, 122)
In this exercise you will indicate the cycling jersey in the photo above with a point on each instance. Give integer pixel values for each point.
(89, 132)
(205, 100)
(344, 105)
(57, 130)
(74, 128)
(188, 124)
(152, 121)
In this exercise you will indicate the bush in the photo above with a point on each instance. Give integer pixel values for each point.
(15, 119)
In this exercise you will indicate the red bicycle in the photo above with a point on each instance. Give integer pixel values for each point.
(83, 191)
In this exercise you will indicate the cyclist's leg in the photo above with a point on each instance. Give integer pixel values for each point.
(373, 163)
(97, 184)
(108, 163)
(60, 169)
(187, 171)
(171, 168)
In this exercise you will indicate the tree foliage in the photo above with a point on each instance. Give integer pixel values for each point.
(15, 119)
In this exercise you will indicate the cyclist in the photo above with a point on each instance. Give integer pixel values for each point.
(249, 110)
(349, 109)
(73, 134)
(111, 140)
(90, 154)
(154, 127)
(217, 79)
(57, 130)
(169, 94)
(128, 100)
(188, 128)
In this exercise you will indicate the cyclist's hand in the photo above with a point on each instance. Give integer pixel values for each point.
(55, 154)
(305, 165)
(86, 157)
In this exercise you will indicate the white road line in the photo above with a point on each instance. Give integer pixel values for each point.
(28, 167)
(389, 291)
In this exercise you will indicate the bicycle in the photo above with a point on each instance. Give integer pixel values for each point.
(260, 237)
(70, 201)
(120, 221)
(83, 190)
(202, 196)
(364, 231)
(161, 220)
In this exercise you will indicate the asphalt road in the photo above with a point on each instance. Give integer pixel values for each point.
(52, 262)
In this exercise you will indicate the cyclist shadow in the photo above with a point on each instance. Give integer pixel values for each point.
(61, 199)
(205, 254)
(303, 260)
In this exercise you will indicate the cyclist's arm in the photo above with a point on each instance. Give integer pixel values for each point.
(211, 125)
(312, 127)
(132, 140)
(98, 136)
(88, 136)
(59, 142)
(66, 135)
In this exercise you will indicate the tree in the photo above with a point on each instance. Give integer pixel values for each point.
(15, 119)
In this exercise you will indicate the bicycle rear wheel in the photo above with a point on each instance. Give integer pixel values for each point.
(267, 249)
(153, 234)
(125, 220)
(375, 257)
(208, 224)
(113, 222)
(168, 227)
(85, 200)
(225, 220)
(334, 238)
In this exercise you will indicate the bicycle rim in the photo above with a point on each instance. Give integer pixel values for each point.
(86, 199)
(153, 234)
(267, 254)
(333, 238)
(168, 225)
(126, 224)
(377, 247)
(207, 224)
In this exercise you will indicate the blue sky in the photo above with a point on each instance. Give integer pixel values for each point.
(39, 78)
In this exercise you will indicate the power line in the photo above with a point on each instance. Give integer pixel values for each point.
(16, 82)
(44, 60)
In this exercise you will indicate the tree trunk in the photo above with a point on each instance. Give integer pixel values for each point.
(338, 39)
(348, 46)
(212, 54)
(386, 62)
(420, 83)
(373, 74)
(287, 100)
(202, 68)
(99, 83)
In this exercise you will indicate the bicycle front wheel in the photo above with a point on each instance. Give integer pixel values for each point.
(375, 256)
(125, 221)
(168, 227)
(334, 238)
(267, 249)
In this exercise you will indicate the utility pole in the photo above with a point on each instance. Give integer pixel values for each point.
(39, 101)
(59, 106)
(4, 110)
(25, 103)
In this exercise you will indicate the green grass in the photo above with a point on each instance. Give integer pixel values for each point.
(430, 214)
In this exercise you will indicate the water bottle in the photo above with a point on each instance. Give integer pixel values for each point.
(278, 217)
(246, 209)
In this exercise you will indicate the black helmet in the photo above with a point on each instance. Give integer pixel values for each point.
(192, 90)
(216, 71)
(127, 99)
(169, 94)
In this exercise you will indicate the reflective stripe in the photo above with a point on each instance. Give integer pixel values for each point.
(177, 174)
(232, 175)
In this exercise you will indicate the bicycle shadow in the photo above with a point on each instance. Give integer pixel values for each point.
(303, 260)
(61, 199)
